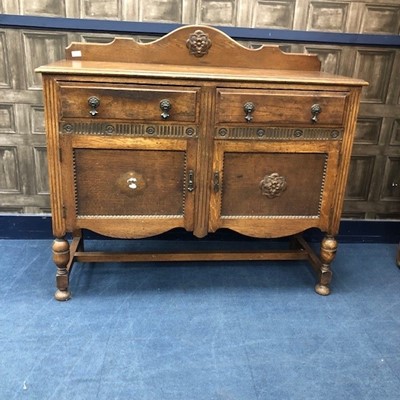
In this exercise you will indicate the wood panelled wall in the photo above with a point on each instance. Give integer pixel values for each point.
(373, 190)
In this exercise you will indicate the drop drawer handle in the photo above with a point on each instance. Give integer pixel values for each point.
(315, 110)
(94, 103)
(165, 106)
(248, 108)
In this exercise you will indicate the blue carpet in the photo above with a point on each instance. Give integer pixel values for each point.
(200, 331)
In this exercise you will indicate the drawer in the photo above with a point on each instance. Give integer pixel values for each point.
(128, 102)
(280, 107)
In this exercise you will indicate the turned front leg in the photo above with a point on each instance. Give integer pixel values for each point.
(327, 255)
(61, 255)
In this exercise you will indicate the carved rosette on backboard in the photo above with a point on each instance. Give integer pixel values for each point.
(198, 43)
(273, 185)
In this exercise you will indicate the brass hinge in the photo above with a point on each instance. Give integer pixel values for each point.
(216, 181)
(64, 212)
(60, 154)
(190, 185)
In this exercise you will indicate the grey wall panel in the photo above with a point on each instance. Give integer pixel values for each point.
(7, 118)
(161, 11)
(4, 63)
(102, 9)
(49, 8)
(395, 133)
(273, 14)
(216, 12)
(39, 49)
(9, 171)
(380, 19)
(327, 16)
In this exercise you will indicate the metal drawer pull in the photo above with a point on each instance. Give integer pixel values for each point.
(315, 110)
(165, 106)
(94, 103)
(249, 107)
(132, 183)
(190, 186)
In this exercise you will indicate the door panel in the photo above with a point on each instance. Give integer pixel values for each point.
(129, 182)
(272, 184)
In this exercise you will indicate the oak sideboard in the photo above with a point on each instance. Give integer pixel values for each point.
(196, 131)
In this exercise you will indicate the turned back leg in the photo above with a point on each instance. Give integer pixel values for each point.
(327, 255)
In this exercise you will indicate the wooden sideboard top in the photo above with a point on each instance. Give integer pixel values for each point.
(69, 67)
(194, 52)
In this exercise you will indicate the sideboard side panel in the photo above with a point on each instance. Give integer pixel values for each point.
(52, 108)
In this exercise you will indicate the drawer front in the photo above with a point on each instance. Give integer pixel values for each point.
(148, 183)
(123, 102)
(280, 107)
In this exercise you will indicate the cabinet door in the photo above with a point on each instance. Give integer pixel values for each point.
(129, 187)
(272, 189)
